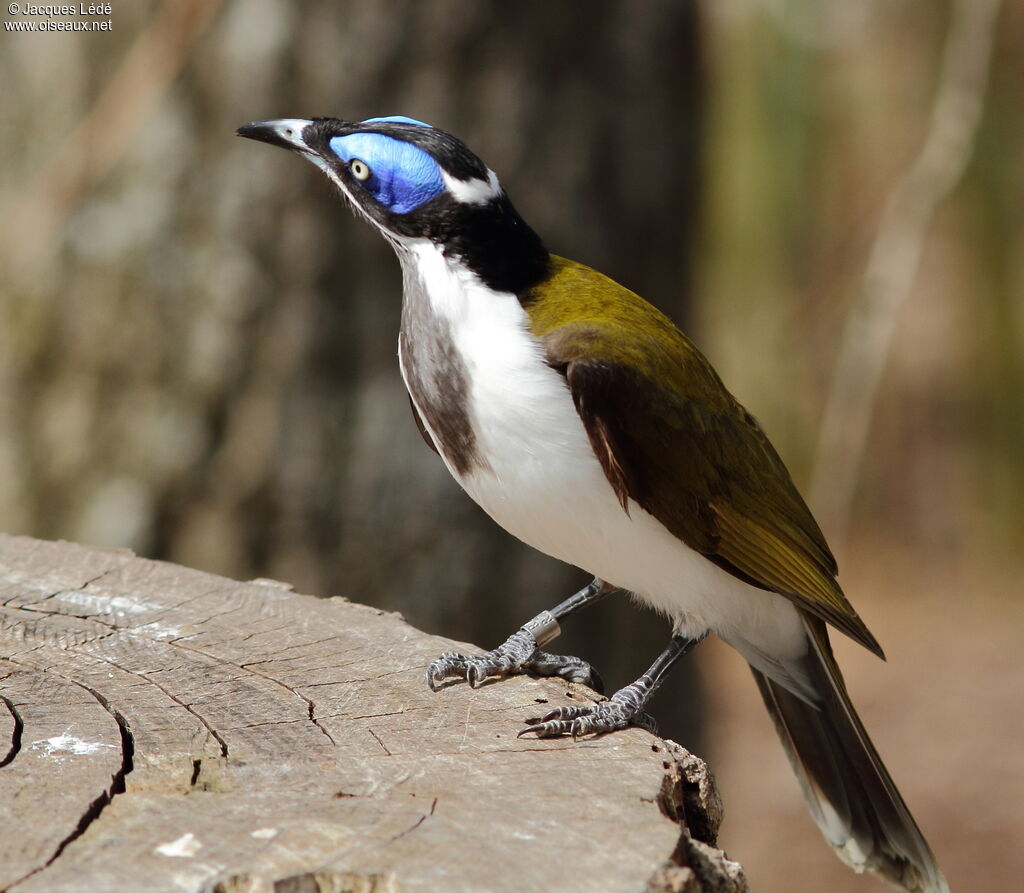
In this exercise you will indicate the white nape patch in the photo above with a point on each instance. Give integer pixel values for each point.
(185, 846)
(62, 744)
(472, 192)
(264, 833)
(544, 485)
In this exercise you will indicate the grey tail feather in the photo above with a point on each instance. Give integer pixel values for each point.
(847, 787)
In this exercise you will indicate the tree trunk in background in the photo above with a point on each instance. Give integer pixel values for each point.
(202, 366)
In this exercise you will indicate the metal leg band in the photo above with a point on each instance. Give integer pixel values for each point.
(543, 628)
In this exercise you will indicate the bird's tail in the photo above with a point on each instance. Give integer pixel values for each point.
(848, 789)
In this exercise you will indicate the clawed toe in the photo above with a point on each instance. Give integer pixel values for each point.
(560, 721)
(576, 721)
(450, 666)
(519, 654)
(571, 669)
(479, 670)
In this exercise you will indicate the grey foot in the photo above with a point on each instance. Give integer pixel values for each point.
(623, 709)
(519, 654)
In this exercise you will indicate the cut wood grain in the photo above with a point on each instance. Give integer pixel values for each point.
(165, 729)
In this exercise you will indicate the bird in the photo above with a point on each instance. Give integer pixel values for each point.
(587, 425)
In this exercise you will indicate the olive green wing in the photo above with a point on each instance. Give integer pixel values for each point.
(677, 444)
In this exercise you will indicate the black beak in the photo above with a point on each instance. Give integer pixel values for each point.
(283, 132)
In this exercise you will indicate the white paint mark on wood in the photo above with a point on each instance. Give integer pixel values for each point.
(159, 630)
(65, 743)
(185, 846)
(108, 604)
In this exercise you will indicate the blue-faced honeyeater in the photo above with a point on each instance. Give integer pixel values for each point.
(587, 425)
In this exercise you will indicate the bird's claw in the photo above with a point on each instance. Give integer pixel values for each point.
(475, 670)
(452, 665)
(610, 716)
(519, 654)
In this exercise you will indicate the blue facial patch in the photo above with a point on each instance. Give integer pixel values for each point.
(402, 176)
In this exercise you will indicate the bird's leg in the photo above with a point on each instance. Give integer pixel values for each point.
(521, 652)
(622, 709)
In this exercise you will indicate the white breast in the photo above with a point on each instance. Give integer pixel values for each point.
(543, 484)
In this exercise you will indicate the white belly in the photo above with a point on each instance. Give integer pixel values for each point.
(541, 481)
(545, 486)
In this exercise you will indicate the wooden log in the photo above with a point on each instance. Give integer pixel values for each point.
(165, 729)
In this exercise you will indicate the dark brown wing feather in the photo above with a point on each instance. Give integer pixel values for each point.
(672, 439)
(715, 481)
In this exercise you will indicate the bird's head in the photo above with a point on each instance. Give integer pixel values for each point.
(414, 182)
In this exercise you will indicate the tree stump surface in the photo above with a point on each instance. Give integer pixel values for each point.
(167, 729)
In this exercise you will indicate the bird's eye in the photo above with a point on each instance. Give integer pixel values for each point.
(360, 169)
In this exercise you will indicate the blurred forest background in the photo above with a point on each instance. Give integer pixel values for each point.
(197, 341)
